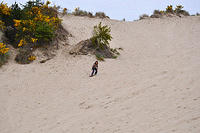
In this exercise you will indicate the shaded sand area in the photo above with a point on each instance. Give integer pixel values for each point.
(153, 87)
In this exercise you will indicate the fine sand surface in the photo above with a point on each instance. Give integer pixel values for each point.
(153, 87)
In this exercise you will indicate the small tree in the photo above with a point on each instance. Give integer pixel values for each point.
(169, 9)
(101, 36)
(179, 10)
(64, 11)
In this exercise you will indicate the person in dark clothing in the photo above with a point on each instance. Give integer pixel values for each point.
(94, 69)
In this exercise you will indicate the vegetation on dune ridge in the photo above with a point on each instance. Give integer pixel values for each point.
(144, 16)
(3, 53)
(4, 10)
(169, 11)
(78, 12)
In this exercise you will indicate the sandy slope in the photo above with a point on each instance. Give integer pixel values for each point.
(153, 87)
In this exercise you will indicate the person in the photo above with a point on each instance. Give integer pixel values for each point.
(94, 69)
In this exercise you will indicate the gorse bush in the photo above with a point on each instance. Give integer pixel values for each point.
(169, 9)
(29, 25)
(4, 13)
(3, 49)
(6, 20)
(3, 53)
(35, 24)
(44, 32)
(38, 25)
(31, 58)
(15, 13)
(4, 9)
(101, 36)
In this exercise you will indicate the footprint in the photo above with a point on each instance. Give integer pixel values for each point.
(173, 130)
(88, 107)
(82, 105)
(164, 72)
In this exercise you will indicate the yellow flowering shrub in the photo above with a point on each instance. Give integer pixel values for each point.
(34, 40)
(32, 58)
(3, 53)
(39, 26)
(17, 22)
(3, 49)
(169, 9)
(21, 42)
(33, 25)
(4, 9)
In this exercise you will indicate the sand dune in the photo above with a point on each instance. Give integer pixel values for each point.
(153, 87)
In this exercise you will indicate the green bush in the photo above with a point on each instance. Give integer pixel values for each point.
(10, 32)
(79, 12)
(157, 14)
(3, 59)
(101, 36)
(3, 53)
(144, 16)
(179, 10)
(23, 56)
(101, 15)
(99, 57)
(35, 22)
(44, 32)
